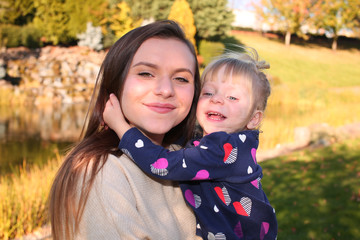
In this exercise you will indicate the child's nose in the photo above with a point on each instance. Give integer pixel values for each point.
(217, 98)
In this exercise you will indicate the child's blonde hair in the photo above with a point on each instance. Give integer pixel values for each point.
(244, 63)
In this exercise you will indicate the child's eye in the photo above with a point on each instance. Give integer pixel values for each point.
(145, 74)
(232, 98)
(208, 94)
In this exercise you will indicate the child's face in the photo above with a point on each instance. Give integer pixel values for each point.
(224, 104)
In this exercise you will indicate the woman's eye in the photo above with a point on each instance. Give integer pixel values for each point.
(181, 79)
(145, 74)
(232, 98)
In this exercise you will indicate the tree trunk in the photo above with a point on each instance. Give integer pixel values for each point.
(287, 38)
(334, 43)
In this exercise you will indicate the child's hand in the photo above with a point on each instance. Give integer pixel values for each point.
(114, 117)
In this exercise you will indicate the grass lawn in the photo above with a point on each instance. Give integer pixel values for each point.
(310, 84)
(316, 193)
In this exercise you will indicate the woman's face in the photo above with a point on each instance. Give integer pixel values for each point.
(159, 88)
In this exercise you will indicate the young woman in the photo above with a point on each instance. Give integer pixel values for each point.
(99, 193)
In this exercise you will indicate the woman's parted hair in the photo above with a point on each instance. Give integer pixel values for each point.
(97, 142)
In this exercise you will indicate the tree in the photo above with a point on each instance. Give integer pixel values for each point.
(334, 15)
(17, 12)
(288, 16)
(212, 18)
(121, 20)
(52, 20)
(181, 13)
(150, 9)
(80, 12)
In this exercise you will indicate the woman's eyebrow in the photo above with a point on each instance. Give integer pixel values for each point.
(145, 64)
(156, 67)
(184, 70)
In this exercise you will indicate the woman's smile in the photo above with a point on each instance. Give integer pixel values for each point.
(160, 107)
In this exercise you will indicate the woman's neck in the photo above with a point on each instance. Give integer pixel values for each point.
(155, 138)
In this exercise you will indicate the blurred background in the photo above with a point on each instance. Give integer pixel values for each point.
(51, 52)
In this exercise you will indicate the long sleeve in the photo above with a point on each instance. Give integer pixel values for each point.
(125, 203)
(218, 156)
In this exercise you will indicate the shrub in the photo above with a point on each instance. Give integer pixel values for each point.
(15, 36)
(208, 50)
(30, 37)
(91, 37)
(10, 36)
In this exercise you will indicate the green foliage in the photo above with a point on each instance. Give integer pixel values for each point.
(80, 12)
(212, 18)
(150, 9)
(10, 36)
(120, 21)
(288, 16)
(316, 193)
(19, 12)
(52, 19)
(209, 50)
(181, 13)
(335, 15)
(14, 36)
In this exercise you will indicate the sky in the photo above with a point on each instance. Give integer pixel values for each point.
(241, 4)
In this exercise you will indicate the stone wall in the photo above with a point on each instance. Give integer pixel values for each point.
(51, 74)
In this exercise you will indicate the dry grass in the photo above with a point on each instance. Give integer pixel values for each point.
(23, 199)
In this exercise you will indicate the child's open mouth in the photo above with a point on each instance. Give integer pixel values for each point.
(215, 116)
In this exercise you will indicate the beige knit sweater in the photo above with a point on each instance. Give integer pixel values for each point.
(124, 203)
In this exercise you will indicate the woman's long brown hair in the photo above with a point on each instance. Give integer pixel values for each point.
(76, 174)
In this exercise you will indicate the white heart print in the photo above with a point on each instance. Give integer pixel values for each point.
(242, 137)
(139, 143)
(184, 164)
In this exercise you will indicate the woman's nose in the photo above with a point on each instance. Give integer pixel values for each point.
(164, 87)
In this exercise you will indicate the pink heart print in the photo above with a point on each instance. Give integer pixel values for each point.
(201, 175)
(253, 154)
(159, 167)
(238, 230)
(264, 229)
(193, 199)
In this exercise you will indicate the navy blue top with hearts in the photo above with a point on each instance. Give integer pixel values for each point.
(220, 180)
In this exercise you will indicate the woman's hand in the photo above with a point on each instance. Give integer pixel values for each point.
(113, 116)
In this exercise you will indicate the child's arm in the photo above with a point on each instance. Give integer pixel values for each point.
(219, 156)
(114, 117)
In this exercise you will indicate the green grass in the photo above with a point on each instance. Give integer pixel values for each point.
(311, 84)
(316, 193)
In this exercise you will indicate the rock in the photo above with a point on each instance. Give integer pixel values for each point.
(52, 67)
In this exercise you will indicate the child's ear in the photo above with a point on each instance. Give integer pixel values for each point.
(255, 120)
